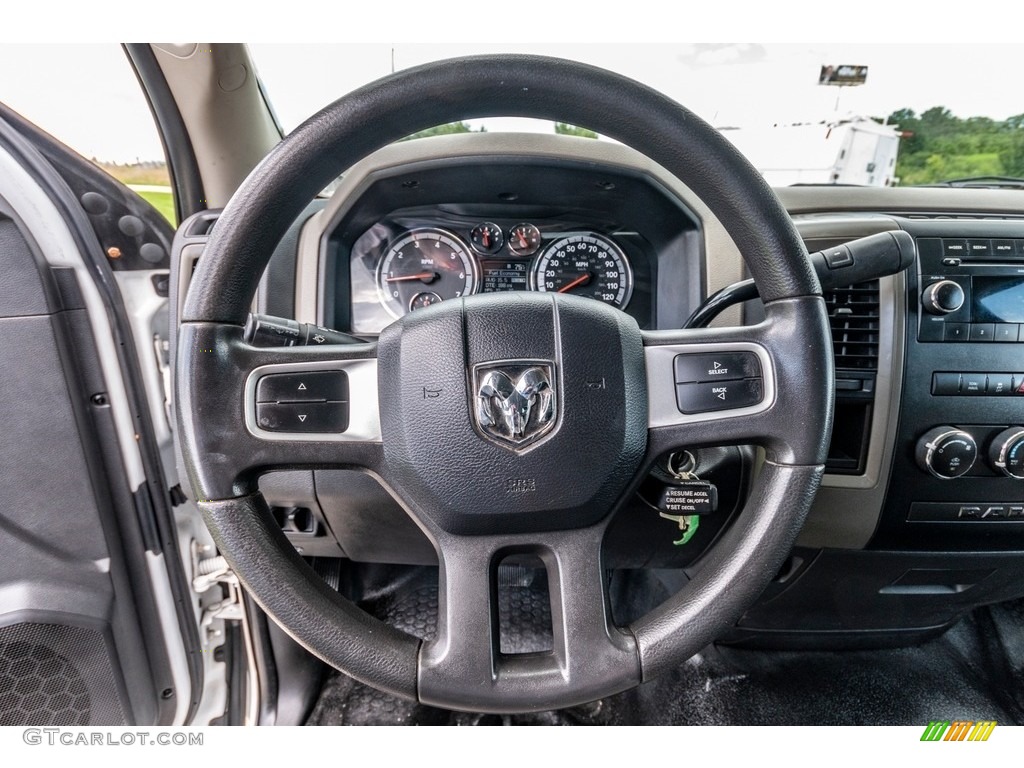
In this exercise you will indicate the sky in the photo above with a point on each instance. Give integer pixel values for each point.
(87, 95)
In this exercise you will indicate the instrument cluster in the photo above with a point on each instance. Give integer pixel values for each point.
(399, 267)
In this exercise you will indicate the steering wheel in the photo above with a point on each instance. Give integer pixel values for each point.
(580, 404)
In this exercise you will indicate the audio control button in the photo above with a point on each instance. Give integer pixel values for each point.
(979, 249)
(955, 248)
(982, 332)
(1006, 249)
(943, 297)
(1005, 332)
(956, 331)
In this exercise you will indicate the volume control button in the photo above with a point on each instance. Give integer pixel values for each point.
(942, 297)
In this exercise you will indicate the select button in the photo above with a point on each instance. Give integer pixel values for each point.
(701, 397)
(720, 366)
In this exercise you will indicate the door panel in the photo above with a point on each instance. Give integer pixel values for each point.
(89, 622)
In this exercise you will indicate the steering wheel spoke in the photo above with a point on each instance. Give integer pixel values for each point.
(588, 655)
(740, 385)
(265, 408)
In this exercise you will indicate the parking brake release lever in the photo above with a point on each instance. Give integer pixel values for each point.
(267, 331)
(867, 258)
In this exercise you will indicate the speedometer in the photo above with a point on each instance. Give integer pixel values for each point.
(423, 267)
(585, 265)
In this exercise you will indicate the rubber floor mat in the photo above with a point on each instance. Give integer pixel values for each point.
(975, 671)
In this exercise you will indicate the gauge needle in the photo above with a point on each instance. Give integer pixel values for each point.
(522, 240)
(426, 277)
(581, 280)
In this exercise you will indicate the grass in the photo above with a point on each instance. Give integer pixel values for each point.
(139, 173)
(146, 175)
(163, 202)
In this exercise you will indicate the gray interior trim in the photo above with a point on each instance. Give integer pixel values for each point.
(309, 299)
(228, 121)
(364, 411)
(58, 247)
(848, 507)
(925, 200)
(661, 387)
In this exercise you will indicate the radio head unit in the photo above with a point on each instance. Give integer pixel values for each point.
(971, 290)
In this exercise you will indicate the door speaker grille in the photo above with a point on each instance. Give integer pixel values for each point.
(56, 675)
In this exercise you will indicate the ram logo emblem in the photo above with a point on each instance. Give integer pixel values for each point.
(515, 402)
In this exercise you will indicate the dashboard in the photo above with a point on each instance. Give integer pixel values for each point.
(922, 498)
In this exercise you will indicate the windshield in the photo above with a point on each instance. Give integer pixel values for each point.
(872, 115)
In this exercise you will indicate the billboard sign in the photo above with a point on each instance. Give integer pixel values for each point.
(843, 74)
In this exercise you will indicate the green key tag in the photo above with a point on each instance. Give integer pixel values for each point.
(685, 502)
(687, 524)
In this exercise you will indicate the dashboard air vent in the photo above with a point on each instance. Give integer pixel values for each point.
(853, 314)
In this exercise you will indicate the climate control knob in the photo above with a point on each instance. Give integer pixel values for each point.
(946, 452)
(942, 297)
(1006, 454)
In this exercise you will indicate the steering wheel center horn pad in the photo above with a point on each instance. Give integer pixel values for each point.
(508, 424)
(484, 399)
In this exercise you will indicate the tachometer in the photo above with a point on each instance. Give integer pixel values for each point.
(422, 267)
(585, 265)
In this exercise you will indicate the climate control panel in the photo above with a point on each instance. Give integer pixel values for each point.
(949, 452)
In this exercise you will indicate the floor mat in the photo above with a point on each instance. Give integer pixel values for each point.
(973, 672)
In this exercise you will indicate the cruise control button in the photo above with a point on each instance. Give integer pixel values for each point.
(315, 386)
(700, 397)
(302, 417)
(721, 366)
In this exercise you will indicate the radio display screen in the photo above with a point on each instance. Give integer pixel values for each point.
(998, 299)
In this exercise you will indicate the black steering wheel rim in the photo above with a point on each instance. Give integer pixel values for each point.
(211, 355)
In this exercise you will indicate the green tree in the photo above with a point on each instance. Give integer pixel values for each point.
(564, 129)
(937, 146)
(445, 130)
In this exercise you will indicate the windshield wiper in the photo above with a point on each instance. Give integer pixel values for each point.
(982, 182)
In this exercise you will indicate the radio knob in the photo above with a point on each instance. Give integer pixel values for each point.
(1006, 454)
(946, 452)
(942, 297)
